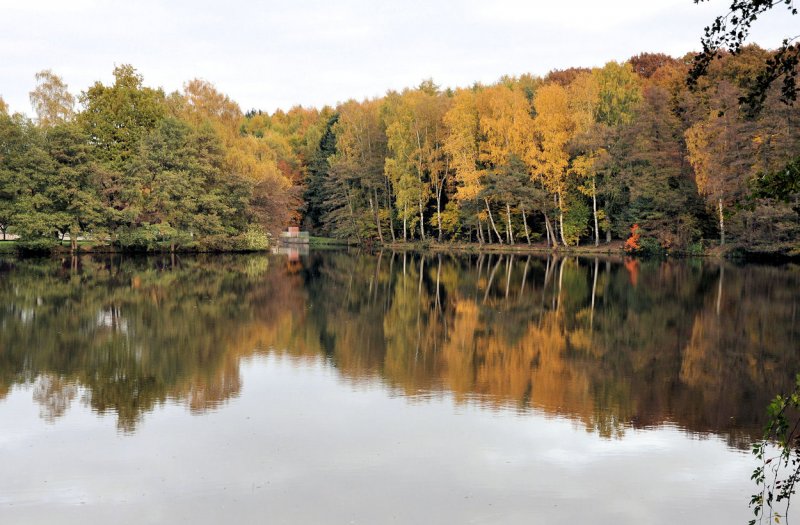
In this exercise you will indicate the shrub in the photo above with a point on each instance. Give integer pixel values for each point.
(632, 244)
(695, 249)
(37, 245)
(650, 246)
(254, 239)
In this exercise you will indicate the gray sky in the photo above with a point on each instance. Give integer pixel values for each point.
(270, 54)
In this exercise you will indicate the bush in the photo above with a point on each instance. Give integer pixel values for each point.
(695, 249)
(576, 221)
(647, 246)
(213, 243)
(650, 246)
(147, 237)
(255, 239)
(37, 245)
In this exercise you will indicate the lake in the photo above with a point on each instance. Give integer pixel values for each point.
(345, 387)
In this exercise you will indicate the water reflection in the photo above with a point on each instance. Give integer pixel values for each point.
(609, 344)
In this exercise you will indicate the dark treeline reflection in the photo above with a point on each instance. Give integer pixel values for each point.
(609, 344)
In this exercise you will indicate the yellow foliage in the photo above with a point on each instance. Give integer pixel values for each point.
(462, 144)
(584, 95)
(554, 126)
(505, 123)
(697, 142)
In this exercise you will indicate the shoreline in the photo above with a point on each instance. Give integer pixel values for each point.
(615, 248)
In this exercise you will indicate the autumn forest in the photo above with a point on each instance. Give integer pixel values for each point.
(620, 153)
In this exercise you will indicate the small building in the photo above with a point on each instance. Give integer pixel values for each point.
(293, 235)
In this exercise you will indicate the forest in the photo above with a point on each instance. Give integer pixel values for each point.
(626, 152)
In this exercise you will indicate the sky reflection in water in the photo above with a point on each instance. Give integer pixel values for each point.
(369, 389)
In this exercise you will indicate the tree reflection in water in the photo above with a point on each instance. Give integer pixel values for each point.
(610, 344)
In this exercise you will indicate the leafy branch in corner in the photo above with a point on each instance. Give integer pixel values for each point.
(728, 32)
(779, 455)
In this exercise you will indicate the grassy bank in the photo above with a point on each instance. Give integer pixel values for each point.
(329, 242)
(87, 247)
(614, 248)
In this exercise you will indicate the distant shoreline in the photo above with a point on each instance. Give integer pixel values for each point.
(614, 249)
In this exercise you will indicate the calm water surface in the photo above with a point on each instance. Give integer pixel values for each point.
(387, 388)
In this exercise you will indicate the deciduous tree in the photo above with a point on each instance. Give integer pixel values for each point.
(51, 100)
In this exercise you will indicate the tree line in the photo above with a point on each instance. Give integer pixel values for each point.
(138, 168)
(579, 156)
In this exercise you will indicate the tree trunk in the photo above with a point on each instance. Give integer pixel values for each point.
(353, 217)
(549, 231)
(594, 210)
(561, 221)
(480, 232)
(389, 207)
(508, 219)
(439, 214)
(421, 222)
(525, 223)
(439, 190)
(378, 217)
(491, 221)
(721, 225)
(419, 178)
(719, 287)
(405, 223)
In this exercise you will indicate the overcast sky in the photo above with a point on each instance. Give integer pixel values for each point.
(272, 54)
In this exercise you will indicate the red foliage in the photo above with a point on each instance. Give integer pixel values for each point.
(646, 64)
(564, 77)
(632, 244)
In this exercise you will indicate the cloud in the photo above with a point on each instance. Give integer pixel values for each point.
(273, 54)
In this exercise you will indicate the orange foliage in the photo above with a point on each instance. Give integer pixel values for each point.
(632, 266)
(632, 244)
